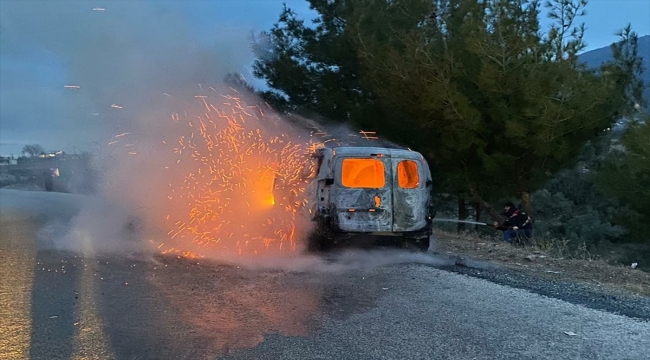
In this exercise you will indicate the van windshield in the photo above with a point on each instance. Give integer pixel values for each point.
(363, 173)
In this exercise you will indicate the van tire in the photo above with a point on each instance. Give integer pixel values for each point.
(418, 244)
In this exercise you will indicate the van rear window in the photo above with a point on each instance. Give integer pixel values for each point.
(407, 174)
(363, 173)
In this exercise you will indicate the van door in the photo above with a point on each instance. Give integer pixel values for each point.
(362, 195)
(410, 195)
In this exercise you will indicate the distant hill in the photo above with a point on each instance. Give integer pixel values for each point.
(595, 58)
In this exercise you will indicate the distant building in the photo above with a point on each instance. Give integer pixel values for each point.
(9, 160)
(51, 154)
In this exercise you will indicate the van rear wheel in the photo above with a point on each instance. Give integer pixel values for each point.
(418, 244)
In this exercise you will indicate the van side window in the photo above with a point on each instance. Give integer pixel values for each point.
(407, 174)
(363, 173)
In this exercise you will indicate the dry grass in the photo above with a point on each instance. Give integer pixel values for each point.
(548, 258)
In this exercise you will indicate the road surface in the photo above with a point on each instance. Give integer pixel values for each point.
(57, 304)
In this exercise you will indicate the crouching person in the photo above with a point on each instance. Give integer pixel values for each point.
(516, 226)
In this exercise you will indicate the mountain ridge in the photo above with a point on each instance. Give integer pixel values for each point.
(595, 58)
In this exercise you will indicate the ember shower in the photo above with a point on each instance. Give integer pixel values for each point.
(235, 177)
(213, 174)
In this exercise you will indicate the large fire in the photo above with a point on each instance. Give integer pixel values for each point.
(222, 175)
(247, 183)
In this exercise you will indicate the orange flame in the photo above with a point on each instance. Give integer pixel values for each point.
(245, 185)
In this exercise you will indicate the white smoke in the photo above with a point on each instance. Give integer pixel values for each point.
(124, 63)
(134, 64)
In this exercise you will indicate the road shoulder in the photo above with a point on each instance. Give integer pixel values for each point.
(593, 284)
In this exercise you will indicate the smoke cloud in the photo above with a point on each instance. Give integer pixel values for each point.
(127, 67)
(185, 164)
(127, 55)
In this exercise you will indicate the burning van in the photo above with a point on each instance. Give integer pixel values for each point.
(382, 193)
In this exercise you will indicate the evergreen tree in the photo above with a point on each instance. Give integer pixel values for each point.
(626, 177)
(312, 68)
(503, 107)
(495, 106)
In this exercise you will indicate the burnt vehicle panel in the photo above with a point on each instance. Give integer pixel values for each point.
(361, 200)
(410, 195)
(371, 191)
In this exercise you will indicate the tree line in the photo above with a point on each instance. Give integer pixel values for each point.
(499, 106)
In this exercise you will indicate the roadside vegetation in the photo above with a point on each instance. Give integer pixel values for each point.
(548, 258)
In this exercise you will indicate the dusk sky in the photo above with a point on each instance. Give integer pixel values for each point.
(112, 54)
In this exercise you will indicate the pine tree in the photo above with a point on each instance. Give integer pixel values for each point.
(312, 68)
(626, 177)
(504, 108)
(495, 106)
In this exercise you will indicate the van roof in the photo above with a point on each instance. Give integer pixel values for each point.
(370, 151)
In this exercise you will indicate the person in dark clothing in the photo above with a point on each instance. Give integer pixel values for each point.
(517, 225)
(49, 181)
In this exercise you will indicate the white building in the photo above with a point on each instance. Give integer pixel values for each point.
(5, 161)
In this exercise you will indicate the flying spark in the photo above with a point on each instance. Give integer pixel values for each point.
(236, 179)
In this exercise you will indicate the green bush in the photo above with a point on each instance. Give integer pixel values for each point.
(560, 217)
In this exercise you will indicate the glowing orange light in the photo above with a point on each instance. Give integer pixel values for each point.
(363, 173)
(407, 174)
(242, 186)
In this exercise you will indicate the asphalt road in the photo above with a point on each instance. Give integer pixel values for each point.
(57, 304)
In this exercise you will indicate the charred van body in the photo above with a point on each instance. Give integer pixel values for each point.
(381, 193)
